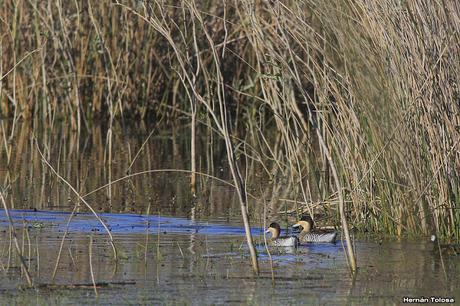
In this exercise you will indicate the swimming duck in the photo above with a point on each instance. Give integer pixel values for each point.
(307, 235)
(446, 249)
(276, 240)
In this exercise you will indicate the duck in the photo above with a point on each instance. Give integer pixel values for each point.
(276, 240)
(445, 249)
(308, 235)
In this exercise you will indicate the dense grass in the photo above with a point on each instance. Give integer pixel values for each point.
(376, 83)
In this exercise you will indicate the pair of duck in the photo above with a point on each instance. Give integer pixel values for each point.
(307, 235)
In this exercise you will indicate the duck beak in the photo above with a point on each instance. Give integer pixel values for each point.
(296, 227)
(267, 231)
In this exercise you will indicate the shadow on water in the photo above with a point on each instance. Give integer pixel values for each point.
(186, 250)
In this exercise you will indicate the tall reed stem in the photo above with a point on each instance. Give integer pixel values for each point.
(24, 267)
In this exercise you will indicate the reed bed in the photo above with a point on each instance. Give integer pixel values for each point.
(297, 90)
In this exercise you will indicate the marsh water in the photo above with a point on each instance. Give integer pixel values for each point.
(173, 247)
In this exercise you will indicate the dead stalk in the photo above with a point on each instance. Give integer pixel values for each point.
(82, 199)
(266, 245)
(350, 252)
(24, 267)
(58, 259)
(91, 264)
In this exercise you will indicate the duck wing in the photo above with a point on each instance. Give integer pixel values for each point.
(292, 241)
(318, 237)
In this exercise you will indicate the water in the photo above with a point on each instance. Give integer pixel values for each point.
(170, 260)
(174, 248)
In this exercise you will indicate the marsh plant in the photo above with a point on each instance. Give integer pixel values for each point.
(338, 103)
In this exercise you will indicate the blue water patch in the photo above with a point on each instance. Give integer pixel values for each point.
(118, 223)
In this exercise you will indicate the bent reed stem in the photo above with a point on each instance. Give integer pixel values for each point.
(81, 198)
(24, 267)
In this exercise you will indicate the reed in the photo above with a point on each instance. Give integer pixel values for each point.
(345, 99)
(14, 238)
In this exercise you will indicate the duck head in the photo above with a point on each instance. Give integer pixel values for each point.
(274, 229)
(306, 222)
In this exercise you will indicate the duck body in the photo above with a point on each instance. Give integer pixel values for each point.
(445, 249)
(276, 240)
(308, 235)
(285, 242)
(318, 237)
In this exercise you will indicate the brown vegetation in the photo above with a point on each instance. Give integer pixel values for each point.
(375, 82)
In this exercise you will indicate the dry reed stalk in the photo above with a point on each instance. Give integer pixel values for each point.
(351, 256)
(37, 252)
(93, 279)
(166, 171)
(222, 125)
(10, 247)
(2, 255)
(147, 226)
(266, 244)
(71, 257)
(29, 247)
(24, 267)
(380, 78)
(58, 259)
(81, 199)
(193, 156)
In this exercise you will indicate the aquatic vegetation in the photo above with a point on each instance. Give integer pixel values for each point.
(344, 109)
(376, 84)
(213, 275)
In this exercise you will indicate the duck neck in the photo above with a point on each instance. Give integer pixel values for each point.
(275, 233)
(306, 227)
